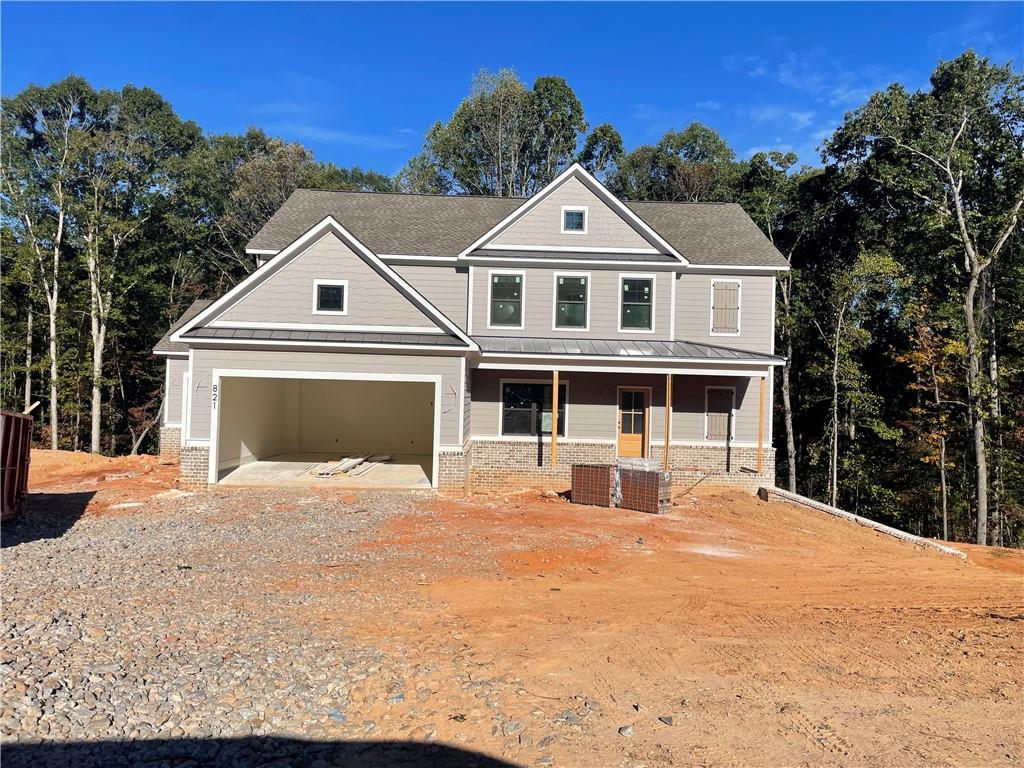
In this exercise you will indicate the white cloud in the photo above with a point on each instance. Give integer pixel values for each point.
(312, 132)
(709, 105)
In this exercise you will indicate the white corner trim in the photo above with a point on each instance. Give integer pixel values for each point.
(732, 414)
(554, 301)
(470, 309)
(654, 300)
(328, 224)
(522, 300)
(672, 307)
(771, 347)
(739, 309)
(345, 296)
(585, 210)
(578, 171)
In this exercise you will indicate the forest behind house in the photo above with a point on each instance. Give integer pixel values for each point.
(901, 319)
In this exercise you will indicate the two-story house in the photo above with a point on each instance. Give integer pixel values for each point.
(493, 342)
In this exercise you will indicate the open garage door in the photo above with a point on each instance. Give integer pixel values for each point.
(281, 430)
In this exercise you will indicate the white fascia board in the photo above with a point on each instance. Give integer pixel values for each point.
(261, 251)
(709, 268)
(328, 224)
(578, 171)
(199, 343)
(572, 249)
(750, 372)
(171, 354)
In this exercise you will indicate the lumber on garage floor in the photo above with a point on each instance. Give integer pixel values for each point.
(292, 470)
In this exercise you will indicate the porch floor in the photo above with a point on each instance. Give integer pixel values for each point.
(408, 471)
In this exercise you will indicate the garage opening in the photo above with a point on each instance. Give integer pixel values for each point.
(287, 431)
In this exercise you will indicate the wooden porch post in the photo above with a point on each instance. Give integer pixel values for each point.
(668, 417)
(554, 418)
(760, 430)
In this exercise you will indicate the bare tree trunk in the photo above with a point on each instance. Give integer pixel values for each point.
(98, 329)
(833, 464)
(51, 305)
(28, 357)
(995, 408)
(787, 402)
(976, 403)
(942, 458)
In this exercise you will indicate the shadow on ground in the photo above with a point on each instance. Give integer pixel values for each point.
(46, 516)
(241, 753)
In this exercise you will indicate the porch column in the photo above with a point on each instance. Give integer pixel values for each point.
(554, 418)
(668, 417)
(760, 429)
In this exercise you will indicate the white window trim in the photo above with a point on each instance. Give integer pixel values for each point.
(732, 415)
(649, 428)
(501, 408)
(345, 299)
(554, 302)
(654, 300)
(522, 300)
(739, 309)
(585, 210)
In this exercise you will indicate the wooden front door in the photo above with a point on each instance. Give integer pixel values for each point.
(633, 423)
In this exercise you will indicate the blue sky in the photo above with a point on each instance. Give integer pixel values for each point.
(359, 84)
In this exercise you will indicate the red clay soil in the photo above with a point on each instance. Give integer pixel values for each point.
(766, 634)
(122, 480)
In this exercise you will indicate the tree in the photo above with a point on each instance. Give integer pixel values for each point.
(957, 149)
(602, 151)
(503, 139)
(42, 129)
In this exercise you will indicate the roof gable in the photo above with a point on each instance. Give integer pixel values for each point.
(537, 224)
(334, 254)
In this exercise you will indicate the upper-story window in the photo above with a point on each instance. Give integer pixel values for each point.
(506, 300)
(330, 297)
(637, 310)
(572, 292)
(725, 307)
(574, 220)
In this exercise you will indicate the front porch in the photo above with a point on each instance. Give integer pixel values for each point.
(717, 430)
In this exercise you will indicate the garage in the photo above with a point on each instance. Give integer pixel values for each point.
(324, 430)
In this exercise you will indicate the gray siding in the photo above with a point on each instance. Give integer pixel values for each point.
(538, 309)
(591, 411)
(542, 225)
(286, 296)
(174, 389)
(205, 360)
(693, 311)
(444, 287)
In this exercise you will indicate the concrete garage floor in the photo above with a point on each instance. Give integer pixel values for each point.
(409, 471)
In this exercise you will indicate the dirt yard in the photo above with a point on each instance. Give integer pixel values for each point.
(732, 632)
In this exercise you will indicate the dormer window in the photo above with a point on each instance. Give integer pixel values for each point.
(574, 220)
(330, 297)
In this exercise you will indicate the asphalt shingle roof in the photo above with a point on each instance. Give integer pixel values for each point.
(710, 234)
(513, 345)
(165, 345)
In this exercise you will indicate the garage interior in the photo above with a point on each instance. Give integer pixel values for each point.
(276, 431)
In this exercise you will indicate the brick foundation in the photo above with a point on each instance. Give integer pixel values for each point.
(195, 466)
(497, 465)
(451, 470)
(170, 443)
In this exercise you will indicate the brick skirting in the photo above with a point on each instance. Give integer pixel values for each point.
(170, 443)
(195, 466)
(497, 465)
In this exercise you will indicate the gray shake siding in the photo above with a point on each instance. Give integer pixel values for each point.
(592, 407)
(205, 360)
(287, 295)
(176, 369)
(543, 224)
(693, 310)
(603, 309)
(443, 286)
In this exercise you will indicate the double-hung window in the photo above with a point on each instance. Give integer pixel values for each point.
(330, 297)
(571, 294)
(725, 307)
(506, 300)
(526, 408)
(637, 310)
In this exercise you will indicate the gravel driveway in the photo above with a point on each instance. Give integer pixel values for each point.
(176, 622)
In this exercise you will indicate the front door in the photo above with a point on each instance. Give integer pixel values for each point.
(633, 423)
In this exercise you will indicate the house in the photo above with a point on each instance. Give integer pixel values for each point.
(493, 342)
